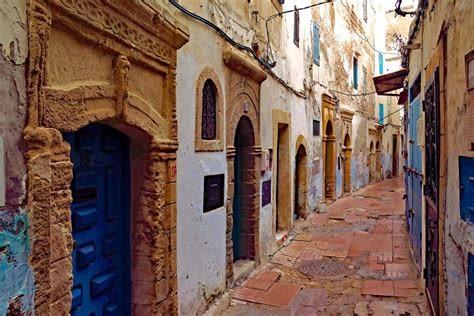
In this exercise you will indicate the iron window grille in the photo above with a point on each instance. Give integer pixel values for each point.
(209, 103)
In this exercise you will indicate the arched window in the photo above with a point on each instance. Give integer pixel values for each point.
(208, 122)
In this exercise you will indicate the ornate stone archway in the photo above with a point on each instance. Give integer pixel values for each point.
(329, 149)
(243, 99)
(100, 62)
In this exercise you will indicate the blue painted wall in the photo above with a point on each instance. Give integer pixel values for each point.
(16, 277)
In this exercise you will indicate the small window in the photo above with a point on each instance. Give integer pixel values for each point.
(266, 192)
(364, 79)
(355, 69)
(316, 56)
(208, 123)
(296, 29)
(364, 8)
(470, 70)
(380, 63)
(381, 114)
(213, 192)
(316, 128)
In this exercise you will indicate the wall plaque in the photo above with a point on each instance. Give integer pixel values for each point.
(266, 192)
(213, 192)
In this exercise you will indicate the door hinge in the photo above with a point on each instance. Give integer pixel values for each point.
(423, 105)
(425, 273)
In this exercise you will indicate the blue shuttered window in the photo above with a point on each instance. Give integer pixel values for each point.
(355, 73)
(316, 56)
(380, 63)
(381, 115)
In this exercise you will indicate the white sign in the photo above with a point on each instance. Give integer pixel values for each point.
(2, 173)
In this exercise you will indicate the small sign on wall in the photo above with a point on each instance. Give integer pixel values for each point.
(213, 192)
(2, 173)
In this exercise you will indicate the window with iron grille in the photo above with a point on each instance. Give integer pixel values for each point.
(296, 30)
(208, 123)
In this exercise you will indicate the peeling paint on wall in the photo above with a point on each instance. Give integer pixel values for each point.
(16, 278)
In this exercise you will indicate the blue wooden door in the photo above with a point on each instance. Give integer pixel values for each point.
(466, 188)
(414, 181)
(100, 221)
(417, 184)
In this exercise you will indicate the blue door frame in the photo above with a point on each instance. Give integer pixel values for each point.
(414, 181)
(100, 221)
(466, 206)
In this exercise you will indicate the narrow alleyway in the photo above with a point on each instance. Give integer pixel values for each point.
(352, 260)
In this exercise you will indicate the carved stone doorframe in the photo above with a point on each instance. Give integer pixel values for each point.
(329, 149)
(243, 81)
(95, 80)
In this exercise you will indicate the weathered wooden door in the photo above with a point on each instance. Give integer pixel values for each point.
(431, 190)
(413, 173)
(100, 221)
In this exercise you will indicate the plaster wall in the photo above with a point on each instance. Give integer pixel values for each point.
(456, 236)
(201, 236)
(16, 279)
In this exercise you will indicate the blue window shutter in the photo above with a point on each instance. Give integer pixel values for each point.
(316, 56)
(381, 114)
(380, 63)
(356, 73)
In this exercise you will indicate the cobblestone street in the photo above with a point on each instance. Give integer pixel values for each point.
(353, 259)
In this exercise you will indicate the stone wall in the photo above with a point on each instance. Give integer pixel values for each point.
(16, 279)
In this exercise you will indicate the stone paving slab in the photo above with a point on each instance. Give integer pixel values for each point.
(366, 232)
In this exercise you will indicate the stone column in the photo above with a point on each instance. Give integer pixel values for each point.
(229, 257)
(347, 169)
(154, 272)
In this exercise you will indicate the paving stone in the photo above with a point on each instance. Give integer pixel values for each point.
(303, 237)
(272, 276)
(281, 294)
(398, 270)
(374, 266)
(319, 219)
(380, 256)
(283, 260)
(378, 288)
(257, 284)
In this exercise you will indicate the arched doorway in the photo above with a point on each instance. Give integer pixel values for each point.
(347, 163)
(100, 214)
(300, 182)
(329, 162)
(371, 162)
(244, 220)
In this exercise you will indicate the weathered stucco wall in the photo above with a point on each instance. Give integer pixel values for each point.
(456, 236)
(459, 236)
(201, 236)
(16, 281)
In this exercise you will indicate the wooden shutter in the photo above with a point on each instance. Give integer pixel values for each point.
(316, 56)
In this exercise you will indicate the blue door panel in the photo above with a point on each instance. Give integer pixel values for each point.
(466, 187)
(100, 220)
(414, 180)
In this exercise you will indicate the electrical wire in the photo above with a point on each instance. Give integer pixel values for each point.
(280, 14)
(267, 66)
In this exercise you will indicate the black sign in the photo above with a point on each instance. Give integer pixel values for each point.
(316, 128)
(213, 192)
(266, 192)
